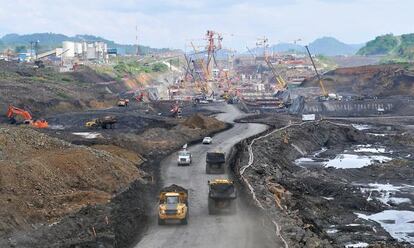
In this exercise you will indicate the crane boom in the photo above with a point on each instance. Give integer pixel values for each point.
(201, 62)
(282, 83)
(325, 93)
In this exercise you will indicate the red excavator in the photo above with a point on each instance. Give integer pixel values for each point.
(12, 112)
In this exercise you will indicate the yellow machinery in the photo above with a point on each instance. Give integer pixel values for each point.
(282, 85)
(105, 122)
(221, 196)
(173, 205)
(324, 92)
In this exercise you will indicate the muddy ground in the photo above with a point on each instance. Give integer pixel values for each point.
(318, 206)
(116, 219)
(374, 80)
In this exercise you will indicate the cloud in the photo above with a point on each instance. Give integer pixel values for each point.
(171, 23)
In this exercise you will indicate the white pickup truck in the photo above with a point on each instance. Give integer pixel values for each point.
(184, 157)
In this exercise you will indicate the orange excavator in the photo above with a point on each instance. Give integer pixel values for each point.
(12, 112)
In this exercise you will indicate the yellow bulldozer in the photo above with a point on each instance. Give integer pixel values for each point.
(173, 205)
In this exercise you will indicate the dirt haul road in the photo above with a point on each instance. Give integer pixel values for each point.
(243, 229)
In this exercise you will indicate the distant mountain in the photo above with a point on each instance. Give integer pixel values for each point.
(285, 47)
(329, 46)
(326, 46)
(48, 41)
(395, 47)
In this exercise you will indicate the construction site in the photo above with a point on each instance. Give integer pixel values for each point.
(201, 149)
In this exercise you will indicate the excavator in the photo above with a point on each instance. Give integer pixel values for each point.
(12, 112)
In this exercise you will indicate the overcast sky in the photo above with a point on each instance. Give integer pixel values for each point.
(172, 23)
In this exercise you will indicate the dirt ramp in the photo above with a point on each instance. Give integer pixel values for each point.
(203, 122)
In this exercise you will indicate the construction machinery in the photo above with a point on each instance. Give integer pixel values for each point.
(184, 157)
(105, 122)
(123, 102)
(176, 110)
(14, 112)
(215, 162)
(281, 83)
(325, 95)
(221, 196)
(173, 205)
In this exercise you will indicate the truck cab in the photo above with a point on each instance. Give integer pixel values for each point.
(184, 157)
(173, 205)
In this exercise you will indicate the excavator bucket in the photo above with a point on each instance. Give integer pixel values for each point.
(40, 124)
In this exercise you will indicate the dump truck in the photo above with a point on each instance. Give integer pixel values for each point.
(173, 205)
(123, 102)
(221, 196)
(215, 162)
(105, 122)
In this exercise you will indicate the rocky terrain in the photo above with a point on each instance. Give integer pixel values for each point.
(296, 176)
(375, 80)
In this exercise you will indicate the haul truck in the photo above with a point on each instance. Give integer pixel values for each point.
(215, 162)
(221, 196)
(173, 205)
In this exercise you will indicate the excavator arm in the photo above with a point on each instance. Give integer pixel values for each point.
(13, 111)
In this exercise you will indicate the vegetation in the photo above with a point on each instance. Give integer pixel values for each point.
(135, 68)
(406, 49)
(382, 45)
(326, 62)
(397, 49)
(48, 41)
(20, 49)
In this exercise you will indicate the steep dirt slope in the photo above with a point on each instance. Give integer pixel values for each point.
(375, 80)
(44, 90)
(44, 178)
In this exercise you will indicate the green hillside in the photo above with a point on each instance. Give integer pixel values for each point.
(48, 41)
(395, 48)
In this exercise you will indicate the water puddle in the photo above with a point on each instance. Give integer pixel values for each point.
(352, 161)
(361, 127)
(357, 245)
(347, 160)
(399, 224)
(386, 193)
(377, 134)
(56, 127)
(89, 135)
(370, 149)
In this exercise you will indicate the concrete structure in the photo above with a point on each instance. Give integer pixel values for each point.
(68, 49)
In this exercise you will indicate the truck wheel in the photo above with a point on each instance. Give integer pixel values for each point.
(161, 221)
(233, 207)
(211, 207)
(184, 221)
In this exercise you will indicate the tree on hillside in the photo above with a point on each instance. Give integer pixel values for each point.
(381, 45)
(20, 49)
